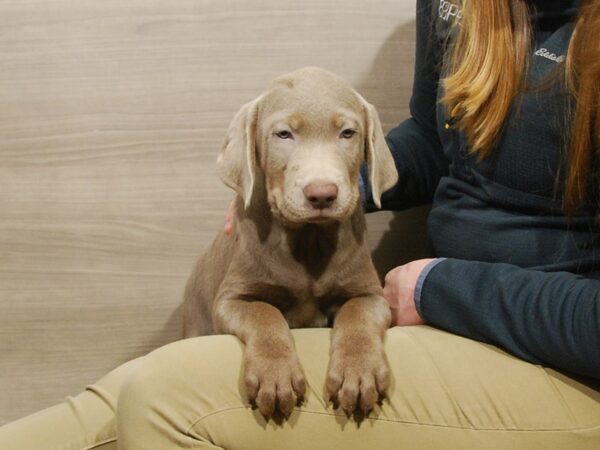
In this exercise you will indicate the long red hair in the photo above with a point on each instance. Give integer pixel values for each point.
(486, 69)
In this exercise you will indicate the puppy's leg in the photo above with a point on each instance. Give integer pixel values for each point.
(196, 313)
(358, 370)
(272, 372)
(203, 284)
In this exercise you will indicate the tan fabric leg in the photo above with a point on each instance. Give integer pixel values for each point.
(83, 422)
(448, 392)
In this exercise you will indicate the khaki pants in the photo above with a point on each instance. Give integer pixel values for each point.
(447, 393)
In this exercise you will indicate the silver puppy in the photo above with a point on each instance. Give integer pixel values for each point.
(298, 257)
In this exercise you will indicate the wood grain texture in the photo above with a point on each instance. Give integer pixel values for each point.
(111, 115)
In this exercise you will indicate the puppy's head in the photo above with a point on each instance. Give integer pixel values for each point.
(308, 134)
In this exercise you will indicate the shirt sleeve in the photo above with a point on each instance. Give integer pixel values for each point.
(549, 318)
(415, 143)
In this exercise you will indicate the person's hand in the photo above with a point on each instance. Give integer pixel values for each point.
(399, 291)
(229, 215)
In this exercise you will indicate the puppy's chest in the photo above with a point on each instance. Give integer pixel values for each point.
(310, 277)
(302, 303)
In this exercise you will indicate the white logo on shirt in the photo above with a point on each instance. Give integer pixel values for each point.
(448, 10)
(544, 52)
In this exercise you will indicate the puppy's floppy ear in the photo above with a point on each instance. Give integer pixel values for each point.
(382, 169)
(237, 159)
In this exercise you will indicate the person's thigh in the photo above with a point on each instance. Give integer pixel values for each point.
(447, 392)
(83, 422)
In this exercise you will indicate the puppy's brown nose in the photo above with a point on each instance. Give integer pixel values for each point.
(320, 194)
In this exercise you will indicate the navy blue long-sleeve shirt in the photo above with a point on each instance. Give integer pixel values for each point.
(518, 272)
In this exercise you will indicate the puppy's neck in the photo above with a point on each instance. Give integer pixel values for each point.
(311, 245)
(257, 218)
(314, 245)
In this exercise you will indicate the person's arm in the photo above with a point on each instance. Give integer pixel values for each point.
(549, 318)
(415, 143)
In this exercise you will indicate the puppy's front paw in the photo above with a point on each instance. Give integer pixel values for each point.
(358, 374)
(274, 379)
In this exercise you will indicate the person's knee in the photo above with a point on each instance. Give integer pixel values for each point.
(174, 387)
(178, 376)
(137, 388)
(143, 406)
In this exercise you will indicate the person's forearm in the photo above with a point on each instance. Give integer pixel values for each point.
(415, 143)
(548, 318)
(420, 165)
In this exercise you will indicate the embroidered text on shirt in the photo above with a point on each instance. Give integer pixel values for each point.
(544, 52)
(448, 10)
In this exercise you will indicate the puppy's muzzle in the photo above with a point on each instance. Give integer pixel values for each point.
(321, 194)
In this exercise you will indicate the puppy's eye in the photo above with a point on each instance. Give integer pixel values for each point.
(284, 134)
(347, 133)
